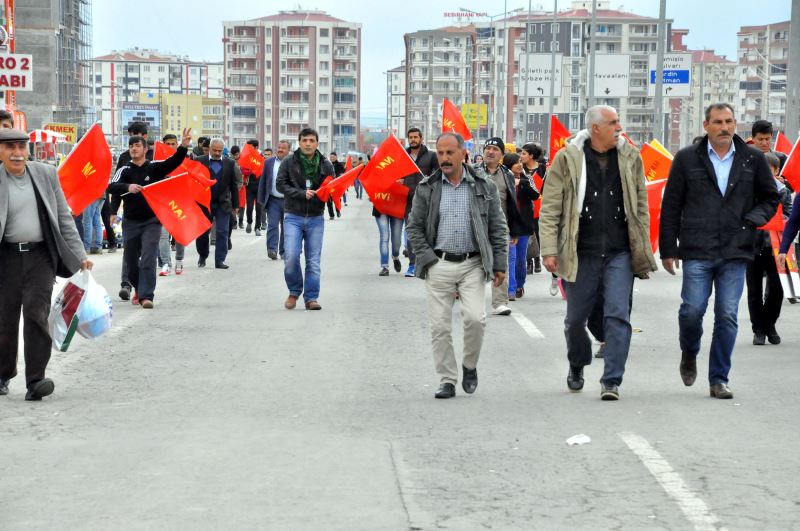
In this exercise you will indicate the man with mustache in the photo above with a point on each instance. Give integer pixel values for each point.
(595, 233)
(39, 241)
(718, 192)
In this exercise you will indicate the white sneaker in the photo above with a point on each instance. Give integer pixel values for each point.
(553, 286)
(178, 267)
(501, 310)
(164, 270)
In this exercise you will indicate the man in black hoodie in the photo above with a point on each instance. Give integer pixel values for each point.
(142, 228)
(299, 176)
(427, 163)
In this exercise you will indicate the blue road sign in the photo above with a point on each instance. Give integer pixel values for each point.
(671, 77)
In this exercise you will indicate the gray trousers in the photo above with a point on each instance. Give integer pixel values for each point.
(140, 255)
(165, 249)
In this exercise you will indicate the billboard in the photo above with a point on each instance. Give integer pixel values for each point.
(475, 114)
(149, 113)
(68, 130)
(15, 72)
(535, 70)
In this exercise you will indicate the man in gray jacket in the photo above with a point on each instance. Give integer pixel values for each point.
(38, 241)
(460, 237)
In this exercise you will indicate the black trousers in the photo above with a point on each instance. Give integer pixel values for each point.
(331, 208)
(105, 214)
(252, 193)
(26, 286)
(412, 258)
(764, 305)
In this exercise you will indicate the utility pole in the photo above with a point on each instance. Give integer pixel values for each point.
(659, 95)
(552, 72)
(793, 76)
(592, 46)
(523, 126)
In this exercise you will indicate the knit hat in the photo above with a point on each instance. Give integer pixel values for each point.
(497, 142)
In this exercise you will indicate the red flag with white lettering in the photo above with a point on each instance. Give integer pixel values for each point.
(453, 122)
(791, 169)
(200, 182)
(85, 172)
(558, 138)
(335, 188)
(389, 164)
(173, 203)
(250, 159)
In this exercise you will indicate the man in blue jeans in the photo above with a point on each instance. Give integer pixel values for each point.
(299, 177)
(718, 192)
(272, 199)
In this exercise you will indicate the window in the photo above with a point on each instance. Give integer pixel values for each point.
(324, 65)
(324, 32)
(323, 130)
(324, 98)
(323, 115)
(324, 49)
(323, 81)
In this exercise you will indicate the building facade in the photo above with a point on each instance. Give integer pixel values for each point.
(293, 70)
(139, 76)
(396, 101)
(58, 34)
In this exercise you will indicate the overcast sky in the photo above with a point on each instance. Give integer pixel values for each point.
(195, 28)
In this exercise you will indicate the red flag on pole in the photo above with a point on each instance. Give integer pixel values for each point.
(348, 165)
(173, 203)
(201, 183)
(85, 172)
(389, 164)
(656, 164)
(791, 169)
(392, 200)
(776, 223)
(782, 143)
(558, 137)
(655, 192)
(250, 159)
(453, 122)
(335, 188)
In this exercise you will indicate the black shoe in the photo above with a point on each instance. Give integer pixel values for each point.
(469, 382)
(272, 255)
(241, 224)
(773, 337)
(201, 262)
(230, 244)
(537, 265)
(446, 390)
(40, 389)
(221, 265)
(575, 378)
(332, 218)
(397, 265)
(720, 390)
(249, 228)
(338, 214)
(125, 293)
(601, 351)
(609, 392)
(263, 226)
(529, 268)
(258, 231)
(3, 387)
(384, 272)
(759, 338)
(688, 368)
(405, 253)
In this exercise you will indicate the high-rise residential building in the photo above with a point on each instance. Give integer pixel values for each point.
(124, 80)
(715, 79)
(58, 34)
(763, 53)
(293, 70)
(396, 101)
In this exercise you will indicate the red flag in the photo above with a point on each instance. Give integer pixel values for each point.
(558, 137)
(85, 172)
(537, 203)
(250, 159)
(453, 122)
(776, 223)
(791, 169)
(348, 165)
(782, 143)
(628, 140)
(335, 188)
(173, 203)
(389, 164)
(656, 164)
(655, 192)
(200, 182)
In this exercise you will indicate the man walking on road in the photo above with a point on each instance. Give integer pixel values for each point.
(460, 237)
(272, 199)
(718, 192)
(299, 176)
(39, 241)
(427, 163)
(594, 228)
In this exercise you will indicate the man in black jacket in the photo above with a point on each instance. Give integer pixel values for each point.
(142, 228)
(224, 202)
(427, 163)
(299, 176)
(338, 169)
(718, 192)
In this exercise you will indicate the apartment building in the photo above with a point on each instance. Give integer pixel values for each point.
(293, 70)
(396, 101)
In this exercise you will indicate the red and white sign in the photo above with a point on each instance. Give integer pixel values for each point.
(16, 72)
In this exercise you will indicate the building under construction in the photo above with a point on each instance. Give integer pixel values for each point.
(58, 33)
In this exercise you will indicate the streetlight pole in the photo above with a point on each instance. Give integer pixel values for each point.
(592, 46)
(552, 72)
(523, 126)
(659, 95)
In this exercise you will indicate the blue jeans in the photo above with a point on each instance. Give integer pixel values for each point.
(517, 257)
(300, 230)
(93, 221)
(727, 278)
(359, 188)
(275, 229)
(389, 226)
(614, 274)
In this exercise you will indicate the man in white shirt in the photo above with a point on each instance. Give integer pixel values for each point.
(272, 199)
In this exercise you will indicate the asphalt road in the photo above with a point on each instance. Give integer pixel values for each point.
(221, 410)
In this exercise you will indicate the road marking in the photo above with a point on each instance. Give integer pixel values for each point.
(692, 506)
(527, 325)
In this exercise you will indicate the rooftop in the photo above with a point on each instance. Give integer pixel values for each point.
(302, 15)
(144, 55)
(708, 56)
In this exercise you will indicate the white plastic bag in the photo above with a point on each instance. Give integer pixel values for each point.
(81, 306)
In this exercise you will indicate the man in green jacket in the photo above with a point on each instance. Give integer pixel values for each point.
(594, 228)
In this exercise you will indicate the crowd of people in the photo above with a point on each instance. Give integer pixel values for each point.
(496, 218)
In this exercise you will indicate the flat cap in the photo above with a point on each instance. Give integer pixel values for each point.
(13, 135)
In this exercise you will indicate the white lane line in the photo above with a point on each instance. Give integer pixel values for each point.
(692, 506)
(527, 325)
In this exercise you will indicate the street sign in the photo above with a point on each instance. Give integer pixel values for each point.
(611, 75)
(535, 70)
(677, 80)
(16, 71)
(475, 114)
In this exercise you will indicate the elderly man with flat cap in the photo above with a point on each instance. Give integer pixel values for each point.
(38, 240)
